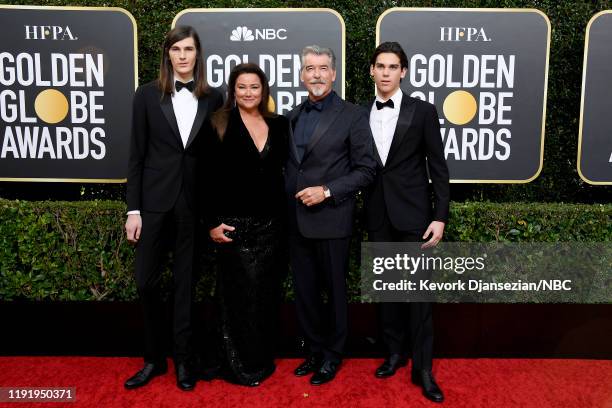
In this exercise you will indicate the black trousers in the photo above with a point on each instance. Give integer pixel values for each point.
(321, 264)
(405, 325)
(175, 231)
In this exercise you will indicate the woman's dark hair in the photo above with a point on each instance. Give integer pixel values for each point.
(391, 47)
(166, 74)
(221, 117)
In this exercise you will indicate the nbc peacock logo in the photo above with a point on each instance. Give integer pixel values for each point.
(242, 33)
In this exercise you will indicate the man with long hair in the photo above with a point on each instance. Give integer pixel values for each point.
(168, 114)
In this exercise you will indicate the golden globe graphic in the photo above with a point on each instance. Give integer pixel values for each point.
(65, 107)
(460, 107)
(487, 80)
(51, 106)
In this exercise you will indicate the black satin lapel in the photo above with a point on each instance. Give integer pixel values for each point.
(198, 121)
(166, 107)
(293, 120)
(292, 147)
(294, 115)
(328, 117)
(403, 123)
(376, 154)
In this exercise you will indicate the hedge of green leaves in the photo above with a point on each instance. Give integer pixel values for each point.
(558, 181)
(78, 251)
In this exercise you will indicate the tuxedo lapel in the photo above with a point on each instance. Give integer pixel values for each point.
(168, 110)
(404, 120)
(199, 119)
(328, 116)
(295, 113)
(376, 154)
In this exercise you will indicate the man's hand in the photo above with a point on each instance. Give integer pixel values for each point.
(311, 195)
(217, 234)
(436, 229)
(133, 227)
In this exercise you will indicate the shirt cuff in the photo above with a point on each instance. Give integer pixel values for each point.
(133, 212)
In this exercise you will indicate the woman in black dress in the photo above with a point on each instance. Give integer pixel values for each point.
(245, 220)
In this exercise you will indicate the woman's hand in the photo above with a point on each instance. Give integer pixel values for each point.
(217, 234)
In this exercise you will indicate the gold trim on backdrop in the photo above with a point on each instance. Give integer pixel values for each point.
(135, 39)
(63, 180)
(491, 10)
(581, 123)
(276, 10)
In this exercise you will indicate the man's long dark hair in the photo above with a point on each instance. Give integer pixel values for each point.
(221, 117)
(166, 74)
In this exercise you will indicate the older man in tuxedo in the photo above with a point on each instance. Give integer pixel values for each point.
(330, 159)
(167, 119)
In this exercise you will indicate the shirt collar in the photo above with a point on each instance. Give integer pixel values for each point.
(180, 80)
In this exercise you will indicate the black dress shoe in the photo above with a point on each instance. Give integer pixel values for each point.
(390, 366)
(148, 372)
(310, 365)
(325, 374)
(426, 380)
(185, 377)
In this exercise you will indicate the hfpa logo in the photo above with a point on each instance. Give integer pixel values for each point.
(243, 33)
(463, 34)
(48, 33)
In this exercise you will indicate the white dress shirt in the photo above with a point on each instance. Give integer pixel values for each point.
(383, 122)
(185, 106)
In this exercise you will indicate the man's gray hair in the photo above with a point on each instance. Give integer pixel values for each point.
(318, 50)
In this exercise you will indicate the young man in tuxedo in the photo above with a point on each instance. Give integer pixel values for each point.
(167, 117)
(330, 159)
(402, 206)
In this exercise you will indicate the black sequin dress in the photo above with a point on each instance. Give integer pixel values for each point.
(248, 191)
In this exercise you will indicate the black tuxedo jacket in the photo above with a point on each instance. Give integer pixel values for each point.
(340, 156)
(401, 186)
(159, 165)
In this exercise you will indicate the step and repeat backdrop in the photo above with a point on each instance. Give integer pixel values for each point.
(595, 137)
(68, 75)
(271, 38)
(486, 72)
(67, 78)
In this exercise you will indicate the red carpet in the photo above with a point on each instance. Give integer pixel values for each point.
(466, 383)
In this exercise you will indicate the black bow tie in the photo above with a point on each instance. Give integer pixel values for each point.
(180, 85)
(313, 105)
(388, 104)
